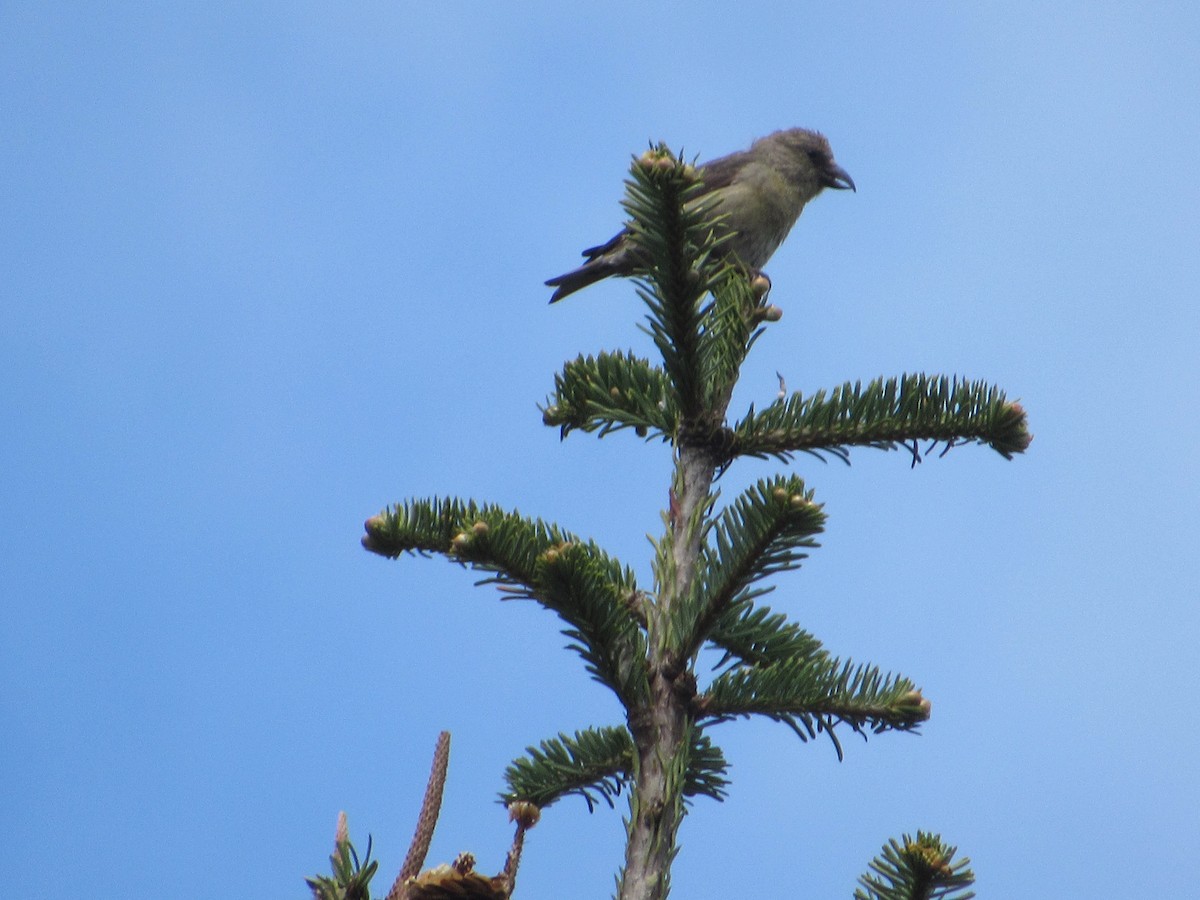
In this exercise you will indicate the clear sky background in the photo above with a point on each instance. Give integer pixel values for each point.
(268, 267)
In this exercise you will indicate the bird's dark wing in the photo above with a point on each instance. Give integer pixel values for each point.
(720, 172)
(608, 246)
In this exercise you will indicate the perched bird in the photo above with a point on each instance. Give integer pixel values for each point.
(762, 192)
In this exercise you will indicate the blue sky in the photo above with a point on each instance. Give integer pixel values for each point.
(269, 267)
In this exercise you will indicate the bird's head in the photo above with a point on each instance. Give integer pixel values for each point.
(804, 158)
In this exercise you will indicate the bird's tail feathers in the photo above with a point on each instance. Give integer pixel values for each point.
(608, 246)
(578, 279)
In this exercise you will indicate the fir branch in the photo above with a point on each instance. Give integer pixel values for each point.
(756, 636)
(529, 559)
(764, 531)
(921, 869)
(731, 326)
(675, 232)
(611, 391)
(577, 582)
(595, 764)
(886, 415)
(814, 696)
(706, 769)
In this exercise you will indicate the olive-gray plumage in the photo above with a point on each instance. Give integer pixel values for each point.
(762, 192)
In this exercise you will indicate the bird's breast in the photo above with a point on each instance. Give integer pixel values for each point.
(761, 206)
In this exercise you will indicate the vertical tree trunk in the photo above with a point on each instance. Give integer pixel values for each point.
(662, 732)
